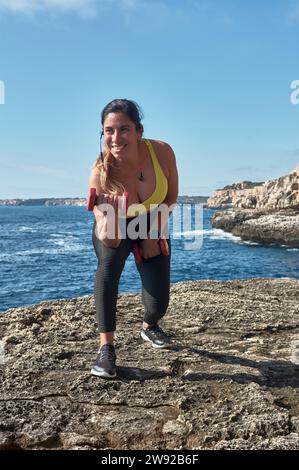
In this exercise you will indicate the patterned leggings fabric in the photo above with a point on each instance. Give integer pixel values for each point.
(155, 277)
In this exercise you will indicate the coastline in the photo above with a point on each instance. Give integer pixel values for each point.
(51, 243)
(266, 213)
(263, 227)
(79, 201)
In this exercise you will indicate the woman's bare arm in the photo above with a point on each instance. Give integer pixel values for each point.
(102, 219)
(150, 246)
(173, 187)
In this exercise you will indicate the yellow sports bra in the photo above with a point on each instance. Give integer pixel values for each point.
(160, 192)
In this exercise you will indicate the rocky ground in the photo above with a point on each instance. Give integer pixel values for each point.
(230, 381)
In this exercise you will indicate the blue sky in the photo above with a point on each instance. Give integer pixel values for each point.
(212, 77)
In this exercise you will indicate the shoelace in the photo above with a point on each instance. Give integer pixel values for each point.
(158, 332)
(107, 353)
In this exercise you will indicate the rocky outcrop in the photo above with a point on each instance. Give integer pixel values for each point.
(272, 195)
(225, 198)
(277, 228)
(267, 213)
(230, 381)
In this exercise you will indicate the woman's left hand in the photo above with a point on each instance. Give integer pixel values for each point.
(150, 248)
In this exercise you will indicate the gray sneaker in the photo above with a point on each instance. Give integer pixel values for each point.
(156, 336)
(105, 362)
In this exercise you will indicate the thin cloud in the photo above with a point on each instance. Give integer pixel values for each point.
(31, 7)
(87, 8)
(159, 10)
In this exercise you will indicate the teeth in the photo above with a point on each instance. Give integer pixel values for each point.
(118, 146)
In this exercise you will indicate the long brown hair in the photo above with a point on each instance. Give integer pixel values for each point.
(105, 160)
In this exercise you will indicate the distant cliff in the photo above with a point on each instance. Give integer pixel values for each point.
(77, 201)
(275, 194)
(260, 212)
(68, 201)
(192, 200)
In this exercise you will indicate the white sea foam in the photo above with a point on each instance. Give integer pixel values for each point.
(60, 242)
(247, 242)
(26, 228)
(214, 234)
(217, 234)
(63, 246)
(189, 233)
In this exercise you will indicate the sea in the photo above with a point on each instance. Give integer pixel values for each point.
(46, 253)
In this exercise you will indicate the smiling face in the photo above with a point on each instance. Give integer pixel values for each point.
(120, 134)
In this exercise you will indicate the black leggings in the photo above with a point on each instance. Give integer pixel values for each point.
(155, 277)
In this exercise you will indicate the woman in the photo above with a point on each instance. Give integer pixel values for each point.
(146, 170)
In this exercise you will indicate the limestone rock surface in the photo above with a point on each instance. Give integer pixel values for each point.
(230, 380)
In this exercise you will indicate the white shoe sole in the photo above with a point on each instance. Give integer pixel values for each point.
(165, 345)
(102, 373)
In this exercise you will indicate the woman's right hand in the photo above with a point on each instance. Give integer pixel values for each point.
(106, 199)
(108, 229)
(105, 211)
(117, 202)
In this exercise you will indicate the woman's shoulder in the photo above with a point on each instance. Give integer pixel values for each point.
(160, 145)
(94, 179)
(165, 155)
(164, 152)
(94, 171)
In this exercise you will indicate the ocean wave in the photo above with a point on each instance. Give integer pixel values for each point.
(248, 242)
(218, 233)
(60, 240)
(61, 234)
(189, 233)
(26, 228)
(213, 234)
(6, 257)
(63, 247)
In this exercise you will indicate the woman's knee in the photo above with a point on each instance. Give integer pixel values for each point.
(113, 243)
